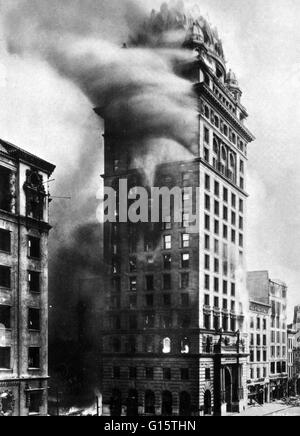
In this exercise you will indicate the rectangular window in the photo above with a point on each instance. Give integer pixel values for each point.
(206, 300)
(217, 227)
(233, 236)
(207, 242)
(132, 264)
(167, 373)
(185, 280)
(241, 240)
(34, 319)
(216, 265)
(241, 206)
(133, 323)
(207, 222)
(34, 358)
(206, 135)
(207, 374)
(185, 300)
(225, 195)
(216, 246)
(206, 154)
(35, 402)
(149, 373)
(116, 372)
(5, 357)
(225, 232)
(5, 316)
(225, 213)
(207, 282)
(150, 283)
(217, 189)
(167, 301)
(133, 284)
(5, 195)
(207, 202)
(216, 284)
(241, 223)
(132, 373)
(167, 282)
(185, 374)
(206, 262)
(225, 287)
(233, 289)
(185, 240)
(207, 182)
(5, 241)
(34, 281)
(185, 260)
(217, 208)
(149, 300)
(5, 277)
(233, 200)
(167, 242)
(167, 261)
(34, 247)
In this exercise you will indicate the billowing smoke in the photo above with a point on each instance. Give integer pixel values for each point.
(134, 89)
(129, 76)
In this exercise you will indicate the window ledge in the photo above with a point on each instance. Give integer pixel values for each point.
(6, 370)
(5, 252)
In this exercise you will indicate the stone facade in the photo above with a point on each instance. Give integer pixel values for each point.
(24, 232)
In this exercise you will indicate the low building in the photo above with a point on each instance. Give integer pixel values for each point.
(259, 347)
(24, 229)
(274, 294)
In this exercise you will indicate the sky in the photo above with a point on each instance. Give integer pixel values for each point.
(47, 115)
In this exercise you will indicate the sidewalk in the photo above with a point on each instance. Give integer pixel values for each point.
(265, 410)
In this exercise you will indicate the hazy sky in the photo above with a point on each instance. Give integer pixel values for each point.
(47, 115)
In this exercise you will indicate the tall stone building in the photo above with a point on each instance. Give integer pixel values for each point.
(274, 293)
(24, 228)
(174, 342)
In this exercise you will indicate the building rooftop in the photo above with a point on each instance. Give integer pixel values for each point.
(14, 152)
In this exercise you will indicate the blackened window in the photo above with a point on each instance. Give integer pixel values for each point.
(5, 277)
(207, 242)
(5, 195)
(5, 241)
(132, 373)
(4, 358)
(207, 373)
(207, 202)
(116, 372)
(167, 261)
(34, 319)
(35, 401)
(207, 222)
(34, 357)
(207, 282)
(225, 195)
(206, 300)
(133, 324)
(216, 284)
(167, 300)
(217, 189)
(167, 373)
(149, 283)
(34, 281)
(167, 281)
(149, 300)
(185, 374)
(116, 284)
(206, 135)
(34, 247)
(5, 316)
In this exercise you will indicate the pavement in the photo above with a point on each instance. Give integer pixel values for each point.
(271, 409)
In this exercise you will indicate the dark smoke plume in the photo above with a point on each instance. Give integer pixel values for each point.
(135, 88)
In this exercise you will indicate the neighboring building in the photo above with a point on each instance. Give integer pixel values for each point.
(259, 344)
(24, 230)
(274, 293)
(296, 357)
(172, 344)
(291, 355)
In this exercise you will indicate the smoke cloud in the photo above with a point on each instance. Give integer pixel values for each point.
(134, 89)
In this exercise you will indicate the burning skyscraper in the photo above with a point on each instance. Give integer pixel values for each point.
(174, 341)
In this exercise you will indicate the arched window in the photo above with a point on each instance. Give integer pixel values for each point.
(150, 402)
(224, 154)
(167, 403)
(185, 346)
(132, 403)
(166, 346)
(185, 404)
(116, 403)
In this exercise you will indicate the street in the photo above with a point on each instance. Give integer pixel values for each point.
(272, 409)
